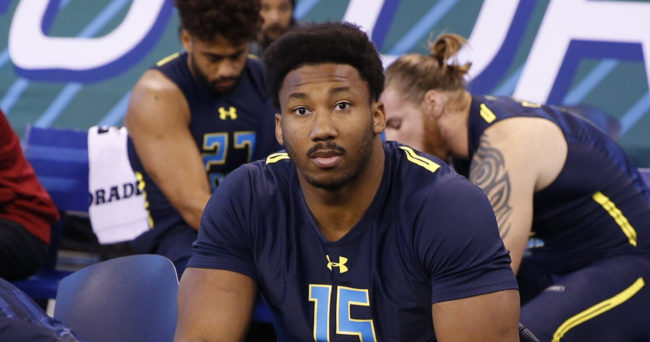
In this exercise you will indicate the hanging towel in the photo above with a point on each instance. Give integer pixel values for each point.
(117, 210)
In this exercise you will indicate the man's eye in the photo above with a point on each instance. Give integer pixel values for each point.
(343, 105)
(394, 123)
(301, 111)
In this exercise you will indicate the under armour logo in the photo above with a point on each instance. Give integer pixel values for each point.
(230, 113)
(340, 264)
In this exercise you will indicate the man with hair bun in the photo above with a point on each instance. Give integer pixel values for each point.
(194, 117)
(347, 238)
(549, 174)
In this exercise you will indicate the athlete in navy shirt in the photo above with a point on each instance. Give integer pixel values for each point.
(550, 174)
(194, 117)
(347, 238)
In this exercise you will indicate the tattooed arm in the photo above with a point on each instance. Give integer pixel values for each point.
(515, 158)
(488, 171)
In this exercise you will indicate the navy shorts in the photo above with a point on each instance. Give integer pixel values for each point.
(173, 242)
(606, 301)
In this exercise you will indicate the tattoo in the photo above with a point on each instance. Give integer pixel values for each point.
(488, 171)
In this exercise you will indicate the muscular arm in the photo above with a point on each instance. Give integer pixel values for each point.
(158, 120)
(214, 305)
(515, 158)
(488, 317)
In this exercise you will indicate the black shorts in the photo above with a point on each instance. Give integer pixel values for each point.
(174, 242)
(21, 253)
(606, 301)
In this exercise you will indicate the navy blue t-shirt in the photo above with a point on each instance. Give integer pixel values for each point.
(229, 129)
(597, 207)
(428, 236)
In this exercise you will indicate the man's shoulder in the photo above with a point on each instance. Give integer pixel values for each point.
(254, 73)
(153, 80)
(171, 61)
(255, 69)
(411, 166)
(261, 176)
(422, 177)
(255, 63)
(168, 98)
(172, 72)
(162, 76)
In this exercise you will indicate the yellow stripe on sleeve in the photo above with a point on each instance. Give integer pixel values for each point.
(598, 309)
(530, 104)
(487, 114)
(617, 215)
(167, 59)
(419, 160)
(276, 157)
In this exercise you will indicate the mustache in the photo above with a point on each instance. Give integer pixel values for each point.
(275, 28)
(223, 79)
(320, 146)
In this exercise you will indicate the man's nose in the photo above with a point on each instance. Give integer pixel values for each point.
(323, 127)
(273, 16)
(226, 69)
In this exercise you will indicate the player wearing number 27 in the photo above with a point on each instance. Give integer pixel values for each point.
(205, 110)
(346, 237)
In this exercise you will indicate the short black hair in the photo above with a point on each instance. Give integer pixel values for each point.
(238, 21)
(329, 42)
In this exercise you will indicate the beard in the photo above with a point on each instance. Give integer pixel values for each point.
(433, 141)
(214, 86)
(272, 33)
(365, 151)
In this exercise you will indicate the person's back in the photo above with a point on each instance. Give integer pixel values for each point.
(26, 210)
(598, 205)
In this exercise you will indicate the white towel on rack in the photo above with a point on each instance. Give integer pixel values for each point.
(117, 210)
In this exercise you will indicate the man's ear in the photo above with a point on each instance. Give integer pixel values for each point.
(186, 40)
(278, 128)
(434, 102)
(378, 117)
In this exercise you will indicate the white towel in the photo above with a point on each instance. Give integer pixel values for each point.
(116, 211)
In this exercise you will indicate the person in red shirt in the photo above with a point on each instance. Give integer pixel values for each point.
(26, 210)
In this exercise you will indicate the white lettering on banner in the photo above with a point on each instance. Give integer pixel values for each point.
(363, 13)
(488, 34)
(566, 20)
(32, 50)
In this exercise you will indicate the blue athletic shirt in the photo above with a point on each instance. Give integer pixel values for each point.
(428, 236)
(229, 129)
(598, 207)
